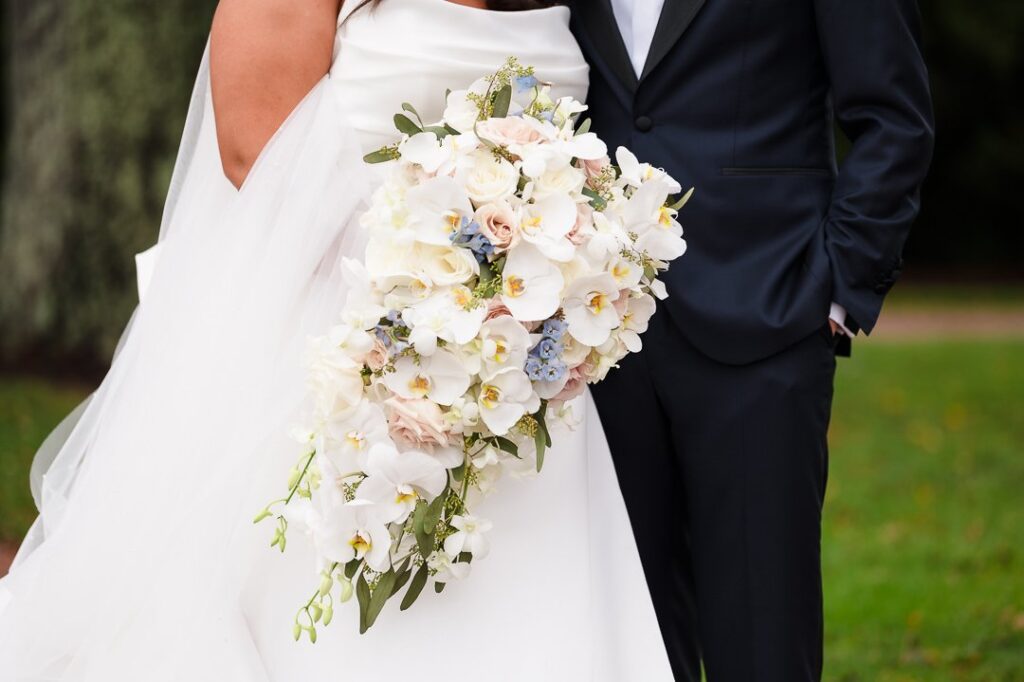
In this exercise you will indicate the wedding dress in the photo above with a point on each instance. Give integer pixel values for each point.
(144, 564)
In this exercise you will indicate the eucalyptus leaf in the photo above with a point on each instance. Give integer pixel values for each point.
(434, 512)
(439, 131)
(363, 597)
(402, 576)
(351, 568)
(412, 110)
(379, 156)
(502, 102)
(682, 200)
(405, 125)
(507, 445)
(584, 127)
(380, 596)
(439, 587)
(415, 587)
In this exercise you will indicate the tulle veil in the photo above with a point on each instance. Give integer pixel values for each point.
(210, 363)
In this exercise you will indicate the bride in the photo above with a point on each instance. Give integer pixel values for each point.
(144, 564)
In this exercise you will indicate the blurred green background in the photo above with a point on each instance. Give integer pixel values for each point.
(924, 537)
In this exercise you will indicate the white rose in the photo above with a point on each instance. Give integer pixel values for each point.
(490, 178)
(565, 180)
(446, 265)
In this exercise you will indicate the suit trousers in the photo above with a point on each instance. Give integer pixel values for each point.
(723, 469)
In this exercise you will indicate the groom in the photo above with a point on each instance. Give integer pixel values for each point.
(719, 427)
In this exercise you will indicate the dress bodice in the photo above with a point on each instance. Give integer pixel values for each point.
(414, 50)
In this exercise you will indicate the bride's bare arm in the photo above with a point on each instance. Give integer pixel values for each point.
(265, 56)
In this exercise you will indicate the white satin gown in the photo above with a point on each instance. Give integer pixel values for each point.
(144, 565)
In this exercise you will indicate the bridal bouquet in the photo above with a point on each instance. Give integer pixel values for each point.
(509, 263)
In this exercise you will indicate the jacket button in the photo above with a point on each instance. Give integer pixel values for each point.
(643, 123)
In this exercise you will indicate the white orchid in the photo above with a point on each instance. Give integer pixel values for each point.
(348, 438)
(547, 223)
(590, 310)
(447, 569)
(363, 303)
(503, 343)
(639, 311)
(439, 156)
(505, 398)
(335, 380)
(463, 415)
(397, 480)
(436, 208)
(439, 377)
(450, 315)
(342, 531)
(636, 174)
(470, 536)
(531, 284)
(645, 214)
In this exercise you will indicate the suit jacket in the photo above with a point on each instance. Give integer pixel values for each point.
(739, 99)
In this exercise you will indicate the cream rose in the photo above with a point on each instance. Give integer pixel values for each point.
(573, 387)
(565, 180)
(417, 423)
(489, 178)
(498, 224)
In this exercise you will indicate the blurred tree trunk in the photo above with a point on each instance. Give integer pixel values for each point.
(99, 91)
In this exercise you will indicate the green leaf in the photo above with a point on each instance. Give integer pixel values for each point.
(440, 132)
(596, 200)
(379, 156)
(412, 110)
(584, 127)
(682, 200)
(381, 594)
(502, 101)
(439, 587)
(351, 568)
(434, 512)
(507, 445)
(458, 472)
(541, 438)
(402, 574)
(424, 539)
(405, 125)
(415, 587)
(451, 131)
(363, 596)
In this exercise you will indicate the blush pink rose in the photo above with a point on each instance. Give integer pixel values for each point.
(584, 222)
(377, 358)
(594, 167)
(573, 387)
(508, 131)
(417, 423)
(498, 224)
(495, 309)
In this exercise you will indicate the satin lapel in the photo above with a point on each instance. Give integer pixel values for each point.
(598, 20)
(676, 17)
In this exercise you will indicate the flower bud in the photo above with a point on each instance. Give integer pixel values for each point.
(262, 515)
(328, 614)
(312, 635)
(326, 583)
(346, 591)
(296, 631)
(317, 612)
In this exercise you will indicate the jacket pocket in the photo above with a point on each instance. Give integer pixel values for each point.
(778, 171)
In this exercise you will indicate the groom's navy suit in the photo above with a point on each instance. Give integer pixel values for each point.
(719, 426)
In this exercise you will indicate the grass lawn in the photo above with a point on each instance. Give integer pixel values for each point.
(924, 537)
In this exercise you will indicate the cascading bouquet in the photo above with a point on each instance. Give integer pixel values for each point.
(509, 263)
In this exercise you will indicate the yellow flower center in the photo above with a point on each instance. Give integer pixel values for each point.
(355, 439)
(620, 271)
(514, 286)
(419, 385)
(463, 297)
(405, 494)
(360, 544)
(665, 216)
(597, 303)
(490, 396)
(500, 351)
(532, 224)
(454, 221)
